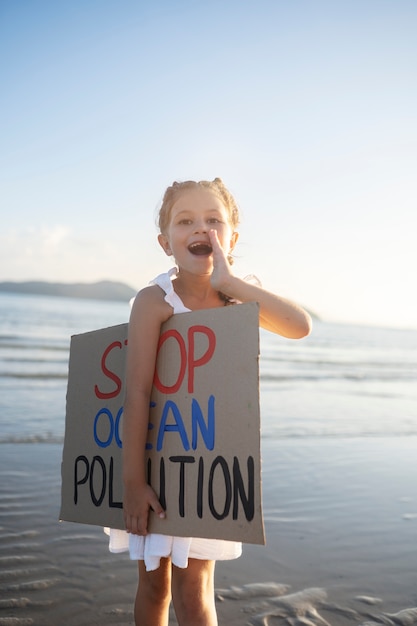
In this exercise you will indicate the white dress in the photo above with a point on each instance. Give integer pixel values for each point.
(152, 547)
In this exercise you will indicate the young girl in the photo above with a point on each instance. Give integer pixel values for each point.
(197, 223)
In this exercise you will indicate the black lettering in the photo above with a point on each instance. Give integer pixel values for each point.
(82, 480)
(149, 471)
(99, 460)
(239, 494)
(228, 486)
(200, 482)
(162, 490)
(181, 494)
(112, 503)
(162, 498)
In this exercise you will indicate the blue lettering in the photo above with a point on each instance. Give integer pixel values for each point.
(117, 427)
(114, 428)
(197, 422)
(177, 427)
(148, 445)
(99, 442)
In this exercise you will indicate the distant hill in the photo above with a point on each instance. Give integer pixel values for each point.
(103, 290)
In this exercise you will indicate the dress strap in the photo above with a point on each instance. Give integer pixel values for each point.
(164, 281)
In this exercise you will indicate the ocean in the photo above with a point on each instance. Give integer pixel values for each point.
(339, 437)
(342, 381)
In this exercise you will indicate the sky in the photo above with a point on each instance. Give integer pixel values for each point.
(306, 109)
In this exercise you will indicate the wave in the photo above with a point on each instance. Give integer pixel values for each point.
(34, 345)
(34, 360)
(268, 434)
(266, 378)
(58, 370)
(280, 435)
(334, 376)
(35, 375)
(46, 438)
(339, 362)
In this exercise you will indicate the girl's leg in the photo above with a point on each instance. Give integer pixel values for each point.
(193, 593)
(153, 595)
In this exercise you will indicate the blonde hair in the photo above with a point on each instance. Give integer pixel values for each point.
(176, 189)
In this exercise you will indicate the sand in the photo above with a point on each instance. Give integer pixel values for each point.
(341, 525)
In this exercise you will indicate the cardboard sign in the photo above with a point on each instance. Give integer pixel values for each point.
(203, 448)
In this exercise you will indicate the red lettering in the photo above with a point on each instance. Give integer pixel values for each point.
(183, 362)
(111, 394)
(189, 361)
(205, 358)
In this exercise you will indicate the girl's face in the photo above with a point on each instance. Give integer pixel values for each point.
(192, 216)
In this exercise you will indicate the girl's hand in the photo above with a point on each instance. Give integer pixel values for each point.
(277, 314)
(221, 275)
(136, 505)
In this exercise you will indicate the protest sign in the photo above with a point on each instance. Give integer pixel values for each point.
(203, 448)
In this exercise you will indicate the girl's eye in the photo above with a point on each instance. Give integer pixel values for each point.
(213, 220)
(186, 222)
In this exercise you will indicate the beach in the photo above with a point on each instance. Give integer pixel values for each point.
(339, 481)
(341, 527)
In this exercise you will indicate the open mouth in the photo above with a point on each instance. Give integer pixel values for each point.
(200, 248)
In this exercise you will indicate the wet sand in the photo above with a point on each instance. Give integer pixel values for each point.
(341, 527)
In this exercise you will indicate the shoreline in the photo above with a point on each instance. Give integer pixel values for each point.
(340, 518)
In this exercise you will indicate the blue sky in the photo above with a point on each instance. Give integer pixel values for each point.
(306, 109)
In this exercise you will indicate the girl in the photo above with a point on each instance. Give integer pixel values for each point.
(197, 223)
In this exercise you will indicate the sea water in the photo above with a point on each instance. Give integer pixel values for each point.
(341, 381)
(339, 426)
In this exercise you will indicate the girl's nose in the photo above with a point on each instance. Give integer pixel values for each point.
(200, 227)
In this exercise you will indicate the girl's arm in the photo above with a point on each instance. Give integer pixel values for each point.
(148, 313)
(276, 314)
